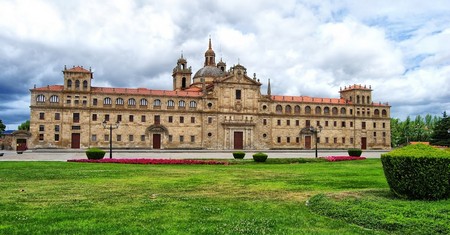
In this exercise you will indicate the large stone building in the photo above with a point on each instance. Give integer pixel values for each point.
(217, 108)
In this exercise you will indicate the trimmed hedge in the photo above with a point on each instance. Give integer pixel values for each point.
(95, 153)
(260, 157)
(354, 152)
(238, 155)
(418, 172)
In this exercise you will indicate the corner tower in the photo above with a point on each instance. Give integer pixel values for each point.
(77, 78)
(181, 75)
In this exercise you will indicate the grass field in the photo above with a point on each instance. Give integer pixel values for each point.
(308, 198)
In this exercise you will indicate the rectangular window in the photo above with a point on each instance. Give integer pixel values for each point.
(57, 116)
(335, 123)
(297, 140)
(327, 140)
(131, 118)
(41, 116)
(41, 128)
(278, 139)
(192, 119)
(278, 122)
(238, 94)
(142, 137)
(131, 138)
(384, 134)
(170, 119)
(76, 127)
(107, 117)
(351, 111)
(181, 138)
(56, 128)
(181, 119)
(318, 139)
(210, 120)
(317, 123)
(384, 125)
(119, 137)
(94, 137)
(94, 117)
(351, 124)
(264, 122)
(119, 118)
(94, 102)
(308, 123)
(76, 117)
(288, 122)
(56, 137)
(106, 138)
(374, 125)
(351, 140)
(192, 138)
(297, 122)
(343, 140)
(143, 118)
(41, 136)
(170, 138)
(326, 123)
(288, 139)
(343, 124)
(363, 125)
(157, 119)
(374, 134)
(335, 140)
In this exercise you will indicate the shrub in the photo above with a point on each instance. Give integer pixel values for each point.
(418, 172)
(95, 153)
(260, 157)
(238, 155)
(354, 152)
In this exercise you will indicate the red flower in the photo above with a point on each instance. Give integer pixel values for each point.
(151, 161)
(342, 158)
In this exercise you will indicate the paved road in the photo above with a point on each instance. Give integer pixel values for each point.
(64, 155)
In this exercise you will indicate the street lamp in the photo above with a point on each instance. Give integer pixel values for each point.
(315, 131)
(111, 127)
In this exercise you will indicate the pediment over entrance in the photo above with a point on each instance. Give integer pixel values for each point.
(157, 129)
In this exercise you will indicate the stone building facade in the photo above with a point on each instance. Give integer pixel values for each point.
(217, 108)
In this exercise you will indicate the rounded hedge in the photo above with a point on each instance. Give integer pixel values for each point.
(95, 153)
(418, 172)
(260, 157)
(238, 155)
(354, 152)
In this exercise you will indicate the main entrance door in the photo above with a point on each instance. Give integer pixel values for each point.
(75, 141)
(238, 140)
(156, 141)
(21, 145)
(363, 143)
(308, 142)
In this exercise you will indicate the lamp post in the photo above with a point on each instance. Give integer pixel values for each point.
(110, 127)
(315, 131)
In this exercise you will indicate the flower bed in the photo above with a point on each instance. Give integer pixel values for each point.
(342, 158)
(152, 161)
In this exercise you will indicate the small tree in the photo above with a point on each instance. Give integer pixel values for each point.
(2, 127)
(440, 133)
(24, 126)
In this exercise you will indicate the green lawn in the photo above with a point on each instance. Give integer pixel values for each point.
(88, 198)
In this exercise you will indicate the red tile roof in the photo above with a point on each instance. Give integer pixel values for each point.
(145, 91)
(308, 99)
(78, 69)
(50, 88)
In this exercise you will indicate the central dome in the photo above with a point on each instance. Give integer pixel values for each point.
(209, 72)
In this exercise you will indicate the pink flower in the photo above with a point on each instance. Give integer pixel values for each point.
(151, 161)
(342, 158)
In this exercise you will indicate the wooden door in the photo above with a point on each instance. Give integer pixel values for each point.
(75, 140)
(307, 142)
(21, 145)
(363, 143)
(238, 140)
(156, 141)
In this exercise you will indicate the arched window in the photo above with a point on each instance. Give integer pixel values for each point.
(357, 99)
(308, 110)
(368, 99)
(132, 102)
(376, 112)
(343, 111)
(183, 82)
(54, 99)
(143, 102)
(69, 83)
(85, 84)
(384, 113)
(351, 98)
(318, 110)
(192, 104)
(157, 102)
(77, 84)
(363, 99)
(119, 101)
(40, 98)
(297, 109)
(181, 104)
(279, 109)
(107, 101)
(334, 111)
(326, 111)
(288, 109)
(170, 103)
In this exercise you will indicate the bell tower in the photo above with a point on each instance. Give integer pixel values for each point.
(181, 75)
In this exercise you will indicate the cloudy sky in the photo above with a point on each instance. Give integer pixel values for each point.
(312, 48)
